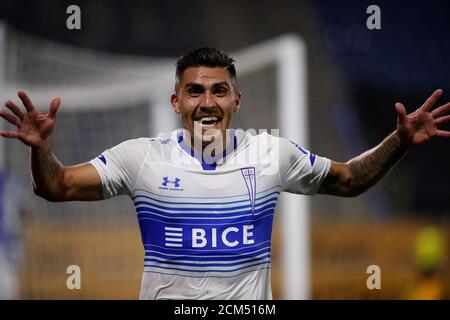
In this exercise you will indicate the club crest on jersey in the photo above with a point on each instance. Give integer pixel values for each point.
(250, 181)
(169, 184)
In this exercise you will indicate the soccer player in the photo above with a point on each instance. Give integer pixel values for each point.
(205, 196)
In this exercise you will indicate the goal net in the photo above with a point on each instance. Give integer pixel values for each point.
(106, 99)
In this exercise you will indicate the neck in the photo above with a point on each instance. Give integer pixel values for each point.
(210, 148)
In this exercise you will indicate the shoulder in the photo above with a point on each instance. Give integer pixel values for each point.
(252, 136)
(165, 138)
(144, 144)
(135, 145)
(272, 140)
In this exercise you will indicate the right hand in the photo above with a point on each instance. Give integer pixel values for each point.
(33, 127)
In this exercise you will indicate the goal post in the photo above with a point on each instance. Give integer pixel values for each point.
(293, 108)
(2, 88)
(288, 53)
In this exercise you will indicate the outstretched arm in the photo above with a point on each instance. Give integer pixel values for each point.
(51, 180)
(362, 172)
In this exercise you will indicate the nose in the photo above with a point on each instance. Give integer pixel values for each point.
(207, 100)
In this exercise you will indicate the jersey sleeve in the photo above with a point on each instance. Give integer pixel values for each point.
(119, 167)
(301, 171)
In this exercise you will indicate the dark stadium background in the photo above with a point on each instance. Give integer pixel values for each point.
(355, 77)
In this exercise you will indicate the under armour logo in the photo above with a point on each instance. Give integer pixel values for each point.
(174, 182)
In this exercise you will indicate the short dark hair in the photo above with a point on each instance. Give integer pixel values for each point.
(205, 57)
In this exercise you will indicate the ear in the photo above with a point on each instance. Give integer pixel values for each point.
(237, 102)
(175, 102)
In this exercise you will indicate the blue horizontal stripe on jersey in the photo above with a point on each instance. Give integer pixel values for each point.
(147, 218)
(203, 203)
(235, 217)
(188, 259)
(145, 204)
(228, 264)
(215, 252)
(213, 212)
(176, 222)
(210, 258)
(205, 198)
(206, 275)
(183, 203)
(190, 270)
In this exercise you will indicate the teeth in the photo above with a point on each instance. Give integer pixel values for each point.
(207, 119)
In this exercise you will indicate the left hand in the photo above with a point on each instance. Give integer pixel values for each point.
(421, 125)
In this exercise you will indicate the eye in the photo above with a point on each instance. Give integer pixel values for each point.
(220, 91)
(194, 91)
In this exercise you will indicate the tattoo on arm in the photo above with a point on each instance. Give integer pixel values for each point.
(46, 170)
(371, 166)
(49, 164)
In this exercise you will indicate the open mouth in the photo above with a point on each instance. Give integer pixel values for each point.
(207, 121)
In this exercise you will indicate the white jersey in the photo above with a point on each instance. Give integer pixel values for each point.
(206, 225)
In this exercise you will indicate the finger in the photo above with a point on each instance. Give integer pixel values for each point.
(441, 120)
(443, 133)
(431, 100)
(10, 118)
(10, 134)
(54, 105)
(441, 110)
(26, 101)
(15, 109)
(401, 112)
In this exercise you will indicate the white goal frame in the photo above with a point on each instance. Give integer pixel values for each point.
(289, 54)
(2, 90)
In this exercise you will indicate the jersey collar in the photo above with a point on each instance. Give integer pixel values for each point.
(206, 166)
